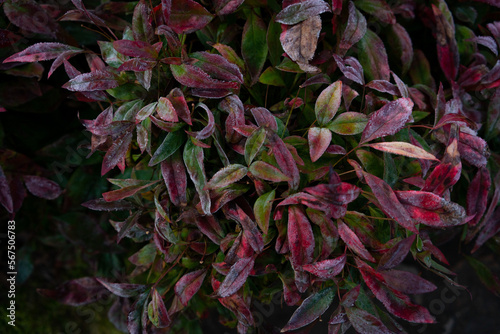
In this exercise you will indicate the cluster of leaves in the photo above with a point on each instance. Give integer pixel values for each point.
(322, 194)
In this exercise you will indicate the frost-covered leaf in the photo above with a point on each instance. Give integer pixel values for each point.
(189, 284)
(227, 176)
(301, 11)
(319, 139)
(403, 148)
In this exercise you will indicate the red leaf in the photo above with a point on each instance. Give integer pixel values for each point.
(43, 51)
(477, 195)
(189, 284)
(396, 302)
(250, 231)
(396, 254)
(208, 130)
(300, 240)
(447, 173)
(216, 66)
(234, 107)
(290, 292)
(135, 49)
(236, 277)
(188, 16)
(319, 139)
(389, 202)
(157, 311)
(192, 76)
(116, 152)
(387, 120)
(327, 269)
(354, 31)
(407, 282)
(284, 159)
(447, 48)
(267, 172)
(264, 118)
(98, 80)
(176, 97)
(42, 187)
(352, 241)
(301, 11)
(364, 322)
(210, 227)
(431, 209)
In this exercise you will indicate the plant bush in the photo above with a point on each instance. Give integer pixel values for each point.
(304, 148)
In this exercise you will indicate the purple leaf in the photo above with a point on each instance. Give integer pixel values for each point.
(187, 16)
(301, 11)
(208, 130)
(192, 76)
(395, 255)
(364, 322)
(102, 205)
(284, 159)
(43, 51)
(29, 15)
(42, 187)
(225, 7)
(217, 66)
(176, 97)
(477, 195)
(327, 269)
(98, 80)
(116, 152)
(189, 284)
(407, 282)
(384, 86)
(447, 48)
(351, 68)
(264, 118)
(387, 120)
(354, 30)
(142, 28)
(124, 290)
(236, 277)
(135, 49)
(209, 226)
(300, 238)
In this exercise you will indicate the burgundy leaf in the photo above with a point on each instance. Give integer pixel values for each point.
(188, 16)
(491, 228)
(157, 311)
(236, 304)
(396, 302)
(364, 322)
(267, 172)
(477, 195)
(127, 191)
(447, 48)
(250, 231)
(407, 282)
(176, 97)
(389, 202)
(42, 187)
(387, 120)
(264, 118)
(301, 11)
(327, 269)
(319, 139)
(192, 76)
(401, 41)
(76, 292)
(350, 297)
(125, 290)
(396, 254)
(487, 41)
(98, 80)
(234, 107)
(284, 159)
(354, 30)
(473, 149)
(236, 277)
(217, 66)
(290, 292)
(189, 284)
(208, 130)
(116, 152)
(43, 51)
(351, 68)
(315, 79)
(102, 205)
(224, 7)
(8, 38)
(142, 28)
(300, 238)
(352, 241)
(383, 86)
(29, 15)
(431, 209)
(335, 149)
(135, 49)
(210, 227)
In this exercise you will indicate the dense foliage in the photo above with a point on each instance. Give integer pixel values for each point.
(256, 148)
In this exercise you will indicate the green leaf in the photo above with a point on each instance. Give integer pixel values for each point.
(271, 77)
(253, 144)
(254, 46)
(373, 57)
(170, 144)
(267, 172)
(372, 163)
(227, 176)
(311, 309)
(485, 274)
(193, 159)
(348, 123)
(328, 103)
(262, 210)
(273, 42)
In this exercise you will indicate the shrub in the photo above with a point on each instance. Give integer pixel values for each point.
(306, 149)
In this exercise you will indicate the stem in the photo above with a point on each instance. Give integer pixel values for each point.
(335, 164)
(290, 114)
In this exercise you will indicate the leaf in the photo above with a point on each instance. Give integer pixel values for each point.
(102, 205)
(354, 30)
(402, 148)
(142, 29)
(93, 81)
(396, 302)
(254, 144)
(225, 7)
(384, 86)
(227, 175)
(447, 48)
(30, 16)
(189, 284)
(43, 51)
(301, 11)
(300, 42)
(228, 52)
(254, 46)
(166, 110)
(128, 224)
(188, 16)
(271, 77)
(389, 202)
(208, 130)
(157, 311)
(319, 139)
(267, 172)
(176, 97)
(5, 193)
(236, 277)
(209, 226)
(262, 210)
(264, 118)
(145, 112)
(135, 49)
(42, 187)
(401, 44)
(311, 309)
(124, 290)
(396, 254)
(300, 237)
(365, 323)
(407, 282)
(431, 209)
(251, 233)
(447, 173)
(351, 68)
(328, 103)
(348, 123)
(327, 269)
(128, 191)
(373, 57)
(172, 142)
(387, 120)
(485, 274)
(378, 8)
(352, 241)
(284, 159)
(477, 195)
(194, 161)
(217, 66)
(192, 76)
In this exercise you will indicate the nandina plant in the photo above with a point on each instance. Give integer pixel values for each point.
(305, 148)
